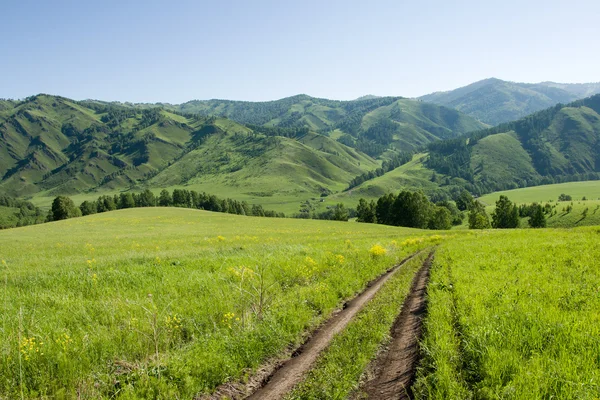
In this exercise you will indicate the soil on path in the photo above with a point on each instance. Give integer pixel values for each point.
(393, 371)
(293, 370)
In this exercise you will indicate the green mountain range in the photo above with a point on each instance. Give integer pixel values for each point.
(494, 101)
(559, 144)
(51, 145)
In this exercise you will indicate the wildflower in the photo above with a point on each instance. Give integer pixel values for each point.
(340, 259)
(377, 251)
(29, 347)
(227, 318)
(4, 263)
(220, 238)
(173, 322)
(64, 341)
(311, 262)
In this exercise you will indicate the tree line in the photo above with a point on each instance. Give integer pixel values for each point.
(63, 207)
(415, 210)
(25, 214)
(409, 209)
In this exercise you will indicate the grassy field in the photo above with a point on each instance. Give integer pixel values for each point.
(583, 213)
(547, 193)
(169, 303)
(513, 315)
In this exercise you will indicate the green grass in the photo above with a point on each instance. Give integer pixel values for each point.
(547, 193)
(500, 159)
(338, 370)
(165, 303)
(513, 315)
(412, 175)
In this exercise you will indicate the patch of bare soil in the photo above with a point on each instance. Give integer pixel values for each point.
(392, 373)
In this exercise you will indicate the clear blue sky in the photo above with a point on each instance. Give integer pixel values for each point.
(150, 51)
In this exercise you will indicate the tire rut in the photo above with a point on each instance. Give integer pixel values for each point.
(394, 369)
(293, 370)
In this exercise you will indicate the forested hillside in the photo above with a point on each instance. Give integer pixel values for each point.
(556, 145)
(371, 124)
(51, 145)
(494, 101)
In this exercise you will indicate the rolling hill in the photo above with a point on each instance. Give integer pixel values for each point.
(494, 101)
(371, 124)
(556, 145)
(51, 145)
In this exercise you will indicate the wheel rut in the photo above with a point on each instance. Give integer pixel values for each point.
(292, 371)
(394, 369)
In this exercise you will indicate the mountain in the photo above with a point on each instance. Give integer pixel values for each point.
(52, 145)
(370, 124)
(494, 101)
(556, 145)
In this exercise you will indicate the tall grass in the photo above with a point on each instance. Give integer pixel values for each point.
(514, 315)
(169, 303)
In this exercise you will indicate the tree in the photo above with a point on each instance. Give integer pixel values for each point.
(478, 218)
(365, 212)
(411, 209)
(506, 215)
(440, 219)
(63, 208)
(126, 201)
(340, 213)
(88, 208)
(383, 209)
(537, 219)
(456, 215)
(147, 199)
(464, 200)
(564, 197)
(165, 199)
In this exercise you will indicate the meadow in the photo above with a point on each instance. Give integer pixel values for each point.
(171, 303)
(514, 315)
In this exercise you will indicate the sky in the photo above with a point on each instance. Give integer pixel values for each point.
(175, 51)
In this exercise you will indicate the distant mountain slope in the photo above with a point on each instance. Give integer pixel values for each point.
(559, 144)
(52, 145)
(494, 101)
(370, 124)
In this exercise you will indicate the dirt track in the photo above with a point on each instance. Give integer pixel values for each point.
(394, 369)
(293, 370)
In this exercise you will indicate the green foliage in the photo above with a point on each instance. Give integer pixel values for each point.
(537, 218)
(366, 212)
(440, 219)
(478, 218)
(340, 213)
(506, 214)
(464, 200)
(410, 209)
(15, 212)
(564, 197)
(63, 208)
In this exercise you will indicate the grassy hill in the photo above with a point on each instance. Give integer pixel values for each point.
(494, 101)
(556, 145)
(104, 283)
(278, 153)
(371, 124)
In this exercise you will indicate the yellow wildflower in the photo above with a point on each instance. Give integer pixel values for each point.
(377, 251)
